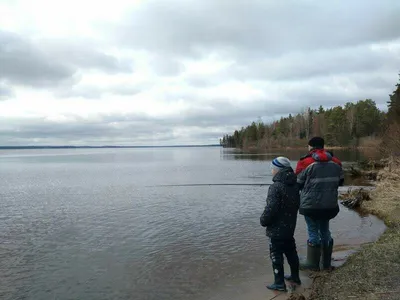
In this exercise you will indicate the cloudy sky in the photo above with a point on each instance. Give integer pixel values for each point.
(156, 72)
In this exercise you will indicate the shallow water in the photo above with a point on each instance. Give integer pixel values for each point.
(83, 224)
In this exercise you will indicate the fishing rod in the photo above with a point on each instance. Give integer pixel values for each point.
(342, 189)
(210, 184)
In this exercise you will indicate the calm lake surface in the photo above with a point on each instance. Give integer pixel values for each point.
(94, 224)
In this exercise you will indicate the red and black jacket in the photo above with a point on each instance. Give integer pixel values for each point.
(319, 174)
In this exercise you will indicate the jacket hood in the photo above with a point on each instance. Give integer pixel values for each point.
(285, 176)
(321, 155)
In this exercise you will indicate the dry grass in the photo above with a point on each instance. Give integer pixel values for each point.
(370, 274)
(370, 142)
(386, 196)
(374, 272)
(296, 297)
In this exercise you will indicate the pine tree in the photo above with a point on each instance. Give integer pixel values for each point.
(391, 141)
(394, 105)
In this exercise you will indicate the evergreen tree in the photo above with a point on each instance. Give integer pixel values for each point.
(340, 126)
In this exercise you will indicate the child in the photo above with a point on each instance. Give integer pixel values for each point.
(279, 218)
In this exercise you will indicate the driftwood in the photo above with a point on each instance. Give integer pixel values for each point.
(354, 198)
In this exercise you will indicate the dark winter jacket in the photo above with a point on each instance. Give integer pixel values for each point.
(283, 200)
(319, 175)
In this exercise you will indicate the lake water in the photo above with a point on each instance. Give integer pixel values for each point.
(95, 224)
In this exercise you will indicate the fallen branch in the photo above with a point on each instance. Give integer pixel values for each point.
(354, 199)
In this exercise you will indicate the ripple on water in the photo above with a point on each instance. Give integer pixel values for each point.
(76, 230)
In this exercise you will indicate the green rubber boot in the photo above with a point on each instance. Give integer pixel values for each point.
(313, 258)
(327, 256)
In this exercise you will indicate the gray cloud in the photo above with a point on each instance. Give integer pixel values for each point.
(44, 64)
(322, 63)
(98, 92)
(127, 130)
(83, 54)
(204, 81)
(196, 126)
(257, 27)
(5, 92)
(23, 63)
(166, 66)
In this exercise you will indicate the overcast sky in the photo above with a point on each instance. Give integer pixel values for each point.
(162, 72)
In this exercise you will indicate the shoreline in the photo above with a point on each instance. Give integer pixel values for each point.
(263, 150)
(253, 287)
(374, 271)
(103, 147)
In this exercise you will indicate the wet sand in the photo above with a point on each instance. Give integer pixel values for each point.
(255, 289)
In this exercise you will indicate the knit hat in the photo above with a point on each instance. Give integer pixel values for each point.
(317, 142)
(280, 163)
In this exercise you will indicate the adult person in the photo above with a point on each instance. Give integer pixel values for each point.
(319, 174)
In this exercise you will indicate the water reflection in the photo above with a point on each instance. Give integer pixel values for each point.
(345, 155)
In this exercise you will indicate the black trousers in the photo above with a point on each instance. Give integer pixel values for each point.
(287, 247)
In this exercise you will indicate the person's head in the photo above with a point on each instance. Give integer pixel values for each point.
(316, 143)
(279, 164)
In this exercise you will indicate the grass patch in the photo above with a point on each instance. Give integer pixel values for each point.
(374, 272)
(386, 197)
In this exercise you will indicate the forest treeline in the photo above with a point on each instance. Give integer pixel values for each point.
(351, 125)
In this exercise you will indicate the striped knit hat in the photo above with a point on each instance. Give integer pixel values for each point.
(280, 163)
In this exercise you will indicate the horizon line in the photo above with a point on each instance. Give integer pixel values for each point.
(103, 146)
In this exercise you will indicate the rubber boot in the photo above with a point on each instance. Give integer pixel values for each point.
(293, 278)
(327, 256)
(313, 258)
(293, 260)
(279, 283)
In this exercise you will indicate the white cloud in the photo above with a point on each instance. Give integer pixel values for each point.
(53, 19)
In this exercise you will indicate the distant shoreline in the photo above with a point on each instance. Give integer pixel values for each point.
(102, 147)
(264, 150)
